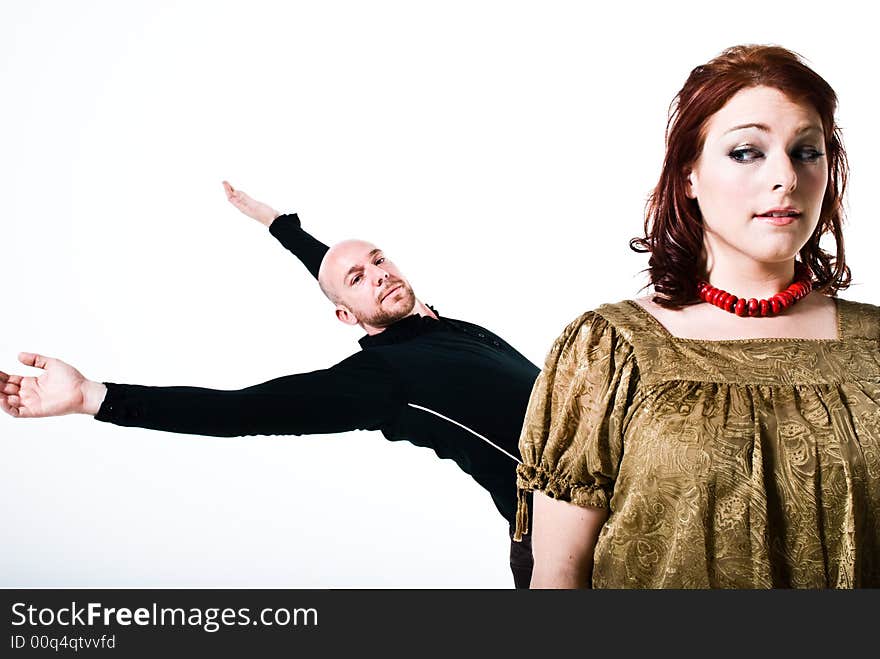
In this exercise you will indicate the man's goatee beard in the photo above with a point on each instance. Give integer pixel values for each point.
(385, 318)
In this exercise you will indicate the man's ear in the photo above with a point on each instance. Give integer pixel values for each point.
(346, 316)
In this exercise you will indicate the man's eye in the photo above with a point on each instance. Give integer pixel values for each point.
(380, 260)
(356, 279)
(746, 154)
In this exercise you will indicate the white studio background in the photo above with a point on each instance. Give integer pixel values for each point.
(501, 152)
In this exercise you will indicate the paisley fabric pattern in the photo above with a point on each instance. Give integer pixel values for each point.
(735, 464)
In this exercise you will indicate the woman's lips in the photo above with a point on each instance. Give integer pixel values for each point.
(779, 221)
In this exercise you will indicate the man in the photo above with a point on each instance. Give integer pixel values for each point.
(445, 384)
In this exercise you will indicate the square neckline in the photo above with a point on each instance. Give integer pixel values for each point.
(840, 338)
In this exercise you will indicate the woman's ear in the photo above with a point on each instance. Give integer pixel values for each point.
(690, 188)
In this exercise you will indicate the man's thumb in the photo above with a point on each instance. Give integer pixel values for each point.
(33, 359)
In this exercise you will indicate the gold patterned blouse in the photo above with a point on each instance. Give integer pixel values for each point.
(748, 463)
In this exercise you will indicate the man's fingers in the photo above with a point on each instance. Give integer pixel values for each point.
(6, 407)
(12, 379)
(33, 359)
(9, 388)
(232, 194)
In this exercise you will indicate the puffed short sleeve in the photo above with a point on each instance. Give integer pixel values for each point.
(572, 437)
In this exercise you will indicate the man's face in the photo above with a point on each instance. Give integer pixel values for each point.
(369, 289)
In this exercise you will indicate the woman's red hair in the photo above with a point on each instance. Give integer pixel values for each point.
(673, 222)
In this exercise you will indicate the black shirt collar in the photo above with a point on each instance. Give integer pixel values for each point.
(403, 330)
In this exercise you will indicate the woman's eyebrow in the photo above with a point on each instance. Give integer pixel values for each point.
(765, 128)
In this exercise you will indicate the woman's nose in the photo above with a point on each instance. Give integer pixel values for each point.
(783, 174)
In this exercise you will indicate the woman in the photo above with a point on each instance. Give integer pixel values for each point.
(724, 432)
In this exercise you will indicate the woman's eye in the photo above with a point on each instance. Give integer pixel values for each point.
(380, 260)
(808, 154)
(747, 154)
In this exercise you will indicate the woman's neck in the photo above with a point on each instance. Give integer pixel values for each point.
(749, 279)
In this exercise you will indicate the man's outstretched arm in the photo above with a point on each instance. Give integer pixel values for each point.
(358, 393)
(286, 228)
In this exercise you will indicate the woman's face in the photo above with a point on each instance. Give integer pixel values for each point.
(760, 178)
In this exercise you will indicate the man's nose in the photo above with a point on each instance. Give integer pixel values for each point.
(377, 275)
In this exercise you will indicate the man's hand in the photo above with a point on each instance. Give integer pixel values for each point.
(262, 213)
(61, 389)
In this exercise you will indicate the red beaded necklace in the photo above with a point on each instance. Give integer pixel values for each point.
(778, 303)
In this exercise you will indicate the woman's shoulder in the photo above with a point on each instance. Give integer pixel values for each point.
(855, 307)
(858, 319)
(621, 322)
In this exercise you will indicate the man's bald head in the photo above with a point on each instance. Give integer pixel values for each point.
(335, 263)
(365, 286)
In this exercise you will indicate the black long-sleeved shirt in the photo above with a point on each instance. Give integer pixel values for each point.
(446, 384)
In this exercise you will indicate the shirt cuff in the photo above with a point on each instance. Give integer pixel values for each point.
(288, 220)
(117, 407)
